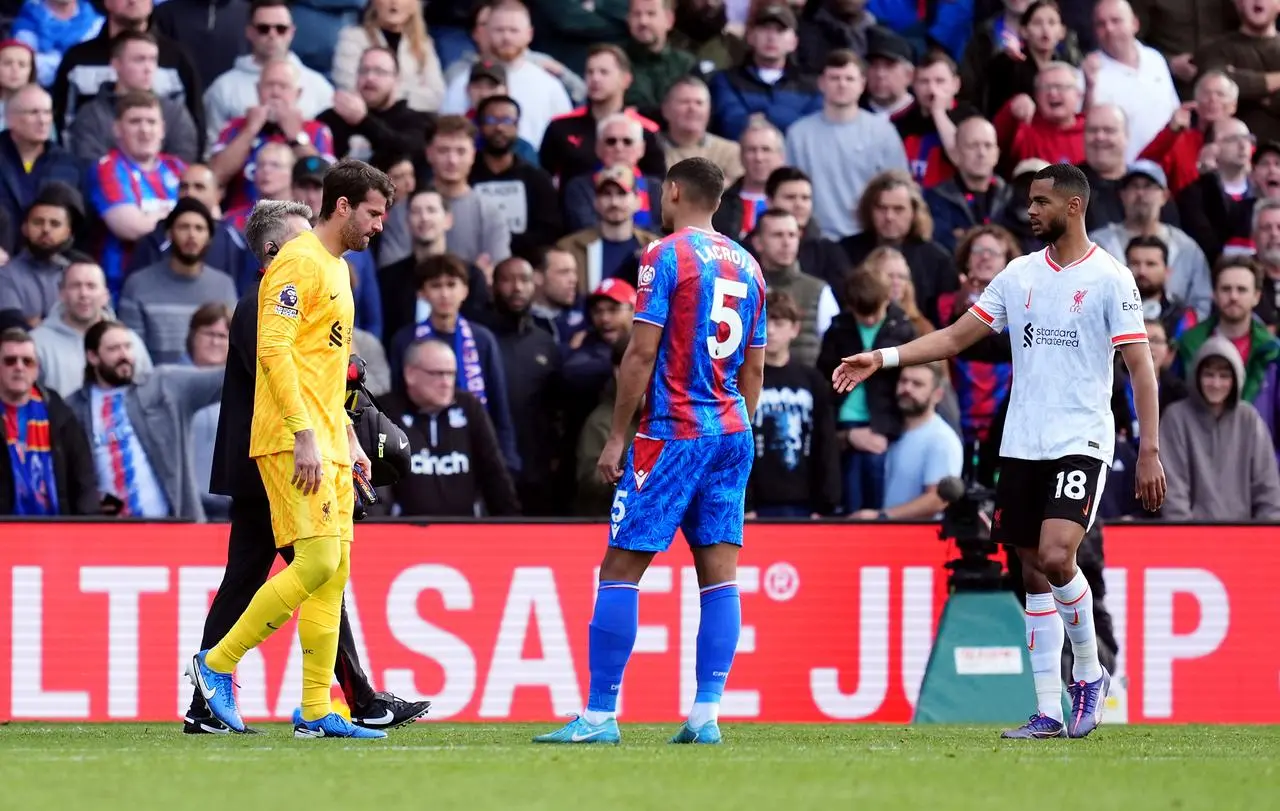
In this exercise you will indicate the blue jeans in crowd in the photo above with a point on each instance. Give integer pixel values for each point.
(863, 477)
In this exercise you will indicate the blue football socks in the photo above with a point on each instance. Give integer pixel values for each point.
(718, 629)
(613, 635)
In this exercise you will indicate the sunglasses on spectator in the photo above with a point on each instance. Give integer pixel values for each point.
(14, 360)
(266, 28)
(615, 141)
(493, 121)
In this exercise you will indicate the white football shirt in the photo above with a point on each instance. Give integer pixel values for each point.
(1065, 324)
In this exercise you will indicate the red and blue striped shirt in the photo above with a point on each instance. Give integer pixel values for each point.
(706, 292)
(117, 180)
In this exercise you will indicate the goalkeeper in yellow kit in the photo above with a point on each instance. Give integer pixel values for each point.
(304, 445)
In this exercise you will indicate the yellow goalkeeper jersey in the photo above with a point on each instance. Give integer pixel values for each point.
(306, 313)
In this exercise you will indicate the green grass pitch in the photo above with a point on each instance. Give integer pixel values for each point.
(479, 767)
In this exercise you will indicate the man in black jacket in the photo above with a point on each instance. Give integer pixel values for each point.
(456, 461)
(531, 358)
(250, 546)
(47, 468)
(373, 114)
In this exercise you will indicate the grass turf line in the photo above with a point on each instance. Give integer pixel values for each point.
(480, 767)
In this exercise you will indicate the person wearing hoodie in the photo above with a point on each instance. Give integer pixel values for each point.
(82, 302)
(1237, 290)
(1215, 446)
(134, 57)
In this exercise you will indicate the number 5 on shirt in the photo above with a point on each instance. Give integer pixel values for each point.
(722, 313)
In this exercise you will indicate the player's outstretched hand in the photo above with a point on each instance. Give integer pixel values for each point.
(609, 465)
(853, 370)
(1150, 481)
(307, 467)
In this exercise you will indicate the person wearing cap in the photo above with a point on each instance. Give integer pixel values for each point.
(1144, 191)
(135, 185)
(524, 193)
(655, 64)
(541, 95)
(84, 67)
(588, 361)
(835, 24)
(277, 117)
(767, 81)
(842, 147)
(620, 142)
(571, 147)
(889, 71)
(29, 157)
(29, 281)
(612, 246)
(17, 70)
(236, 93)
(158, 301)
(50, 27)
(416, 74)
(480, 233)
(1212, 207)
(1177, 147)
(133, 58)
(376, 119)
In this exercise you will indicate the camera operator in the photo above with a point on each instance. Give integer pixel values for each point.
(250, 544)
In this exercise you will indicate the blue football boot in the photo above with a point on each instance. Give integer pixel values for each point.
(218, 690)
(331, 726)
(1040, 726)
(707, 733)
(1087, 701)
(579, 731)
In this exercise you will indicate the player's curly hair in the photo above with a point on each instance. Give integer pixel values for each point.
(353, 180)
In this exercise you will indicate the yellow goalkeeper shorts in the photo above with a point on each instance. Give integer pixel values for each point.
(294, 516)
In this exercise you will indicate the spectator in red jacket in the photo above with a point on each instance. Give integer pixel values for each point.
(1177, 147)
(1051, 126)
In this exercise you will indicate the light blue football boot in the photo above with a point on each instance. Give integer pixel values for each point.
(579, 731)
(331, 726)
(218, 690)
(707, 733)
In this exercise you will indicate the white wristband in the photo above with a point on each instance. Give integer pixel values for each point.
(889, 357)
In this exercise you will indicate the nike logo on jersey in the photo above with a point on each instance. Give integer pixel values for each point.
(382, 720)
(576, 738)
(333, 296)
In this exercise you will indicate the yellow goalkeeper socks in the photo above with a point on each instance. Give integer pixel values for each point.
(314, 562)
(318, 620)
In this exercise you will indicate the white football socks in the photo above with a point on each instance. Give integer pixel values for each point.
(702, 713)
(1075, 606)
(1045, 636)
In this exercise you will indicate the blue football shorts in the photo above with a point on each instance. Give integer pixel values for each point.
(696, 485)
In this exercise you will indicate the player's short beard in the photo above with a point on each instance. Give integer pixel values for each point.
(1053, 229)
(353, 239)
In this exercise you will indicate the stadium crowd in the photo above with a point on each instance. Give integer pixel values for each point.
(877, 155)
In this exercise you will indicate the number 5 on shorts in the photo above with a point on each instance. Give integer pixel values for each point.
(721, 313)
(619, 510)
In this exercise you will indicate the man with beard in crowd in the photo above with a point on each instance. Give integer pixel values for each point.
(144, 464)
(29, 282)
(372, 121)
(158, 301)
(524, 194)
(1148, 258)
(531, 360)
